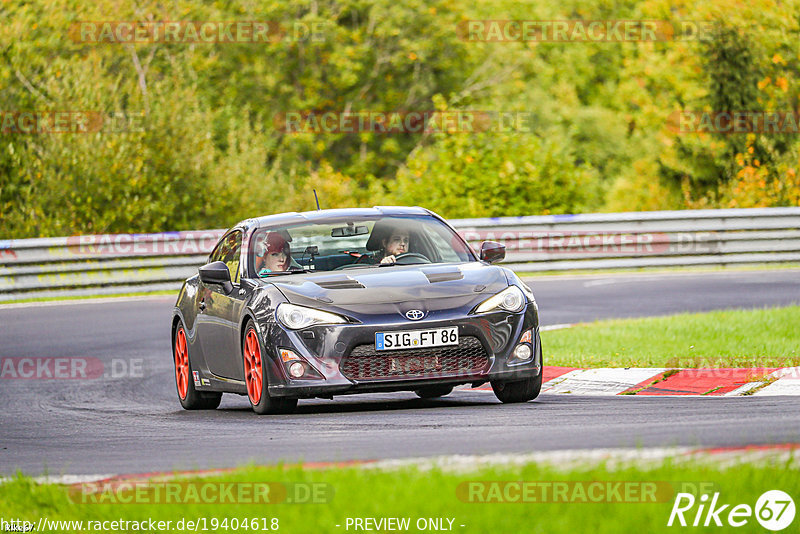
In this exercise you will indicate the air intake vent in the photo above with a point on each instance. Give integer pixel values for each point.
(445, 276)
(341, 283)
(468, 358)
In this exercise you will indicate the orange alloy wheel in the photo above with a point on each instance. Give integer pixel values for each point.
(253, 372)
(181, 363)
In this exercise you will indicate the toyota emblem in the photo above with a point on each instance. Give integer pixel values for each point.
(415, 315)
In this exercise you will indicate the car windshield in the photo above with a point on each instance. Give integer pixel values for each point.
(360, 243)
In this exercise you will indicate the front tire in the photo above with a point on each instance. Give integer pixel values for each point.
(189, 397)
(518, 391)
(521, 390)
(255, 377)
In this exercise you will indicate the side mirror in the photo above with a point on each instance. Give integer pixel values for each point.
(492, 251)
(216, 272)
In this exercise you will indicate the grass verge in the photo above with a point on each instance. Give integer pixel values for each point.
(485, 500)
(733, 338)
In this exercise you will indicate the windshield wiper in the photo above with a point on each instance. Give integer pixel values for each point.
(402, 264)
(354, 266)
(291, 271)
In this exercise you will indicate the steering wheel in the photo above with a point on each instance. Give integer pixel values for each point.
(364, 259)
(401, 258)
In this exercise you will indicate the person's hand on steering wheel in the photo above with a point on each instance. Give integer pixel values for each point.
(403, 259)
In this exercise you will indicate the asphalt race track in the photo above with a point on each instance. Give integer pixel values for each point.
(130, 420)
(582, 299)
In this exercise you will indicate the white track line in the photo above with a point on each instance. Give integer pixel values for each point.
(63, 479)
(555, 327)
(611, 459)
(104, 300)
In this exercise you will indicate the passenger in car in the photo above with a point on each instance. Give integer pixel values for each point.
(273, 254)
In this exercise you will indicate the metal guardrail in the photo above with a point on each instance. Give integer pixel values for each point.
(101, 264)
(122, 263)
(642, 239)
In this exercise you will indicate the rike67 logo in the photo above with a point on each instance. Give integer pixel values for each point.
(774, 510)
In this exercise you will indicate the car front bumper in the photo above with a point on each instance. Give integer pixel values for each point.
(330, 349)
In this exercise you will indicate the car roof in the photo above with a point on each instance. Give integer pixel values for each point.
(320, 216)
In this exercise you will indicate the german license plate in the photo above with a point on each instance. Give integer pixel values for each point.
(416, 339)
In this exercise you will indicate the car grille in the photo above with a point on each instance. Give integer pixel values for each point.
(468, 358)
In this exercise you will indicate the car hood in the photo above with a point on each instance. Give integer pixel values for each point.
(378, 291)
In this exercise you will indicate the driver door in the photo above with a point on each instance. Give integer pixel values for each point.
(217, 319)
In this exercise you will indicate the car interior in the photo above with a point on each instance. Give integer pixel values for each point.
(354, 246)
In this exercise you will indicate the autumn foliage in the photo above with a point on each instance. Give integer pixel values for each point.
(191, 136)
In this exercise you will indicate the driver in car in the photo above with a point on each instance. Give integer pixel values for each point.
(395, 244)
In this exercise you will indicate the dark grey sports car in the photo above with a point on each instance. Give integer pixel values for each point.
(333, 302)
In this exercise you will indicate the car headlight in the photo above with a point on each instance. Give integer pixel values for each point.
(510, 299)
(529, 293)
(296, 317)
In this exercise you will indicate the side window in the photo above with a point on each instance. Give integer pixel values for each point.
(219, 250)
(228, 251)
(452, 252)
